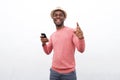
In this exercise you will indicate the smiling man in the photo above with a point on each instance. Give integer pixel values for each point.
(63, 43)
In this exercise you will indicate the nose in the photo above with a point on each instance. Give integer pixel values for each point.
(58, 16)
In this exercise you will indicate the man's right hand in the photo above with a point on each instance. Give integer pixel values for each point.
(43, 40)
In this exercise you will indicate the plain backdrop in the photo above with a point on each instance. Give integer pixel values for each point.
(22, 21)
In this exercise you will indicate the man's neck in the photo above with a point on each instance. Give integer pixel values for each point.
(60, 27)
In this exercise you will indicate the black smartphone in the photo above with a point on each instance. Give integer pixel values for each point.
(44, 35)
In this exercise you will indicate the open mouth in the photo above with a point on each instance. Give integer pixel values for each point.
(57, 21)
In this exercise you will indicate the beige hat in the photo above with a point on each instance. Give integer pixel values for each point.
(58, 9)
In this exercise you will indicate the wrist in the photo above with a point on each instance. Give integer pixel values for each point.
(43, 44)
(82, 37)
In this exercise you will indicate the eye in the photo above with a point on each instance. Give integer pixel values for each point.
(55, 15)
(60, 15)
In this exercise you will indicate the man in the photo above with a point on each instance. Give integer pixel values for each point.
(63, 43)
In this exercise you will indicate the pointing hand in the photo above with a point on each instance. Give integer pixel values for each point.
(79, 32)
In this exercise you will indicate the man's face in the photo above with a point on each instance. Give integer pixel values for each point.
(58, 18)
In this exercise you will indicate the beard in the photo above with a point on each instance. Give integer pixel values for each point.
(59, 24)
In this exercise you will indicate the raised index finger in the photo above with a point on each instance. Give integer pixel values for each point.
(77, 24)
(78, 27)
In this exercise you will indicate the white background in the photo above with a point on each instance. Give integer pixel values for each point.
(22, 21)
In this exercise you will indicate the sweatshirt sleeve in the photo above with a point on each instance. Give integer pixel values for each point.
(48, 47)
(79, 43)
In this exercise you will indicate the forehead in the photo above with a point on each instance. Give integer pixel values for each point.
(58, 12)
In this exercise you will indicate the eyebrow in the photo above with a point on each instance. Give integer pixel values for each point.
(60, 11)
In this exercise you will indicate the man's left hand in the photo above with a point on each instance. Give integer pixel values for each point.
(79, 32)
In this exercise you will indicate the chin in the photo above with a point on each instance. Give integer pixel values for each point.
(59, 25)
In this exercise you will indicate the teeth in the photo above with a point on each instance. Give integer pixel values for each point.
(57, 20)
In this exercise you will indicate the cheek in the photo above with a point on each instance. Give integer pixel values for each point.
(53, 19)
(63, 19)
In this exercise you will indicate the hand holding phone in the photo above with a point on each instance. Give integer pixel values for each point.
(43, 39)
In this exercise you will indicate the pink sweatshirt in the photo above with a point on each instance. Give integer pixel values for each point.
(63, 43)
